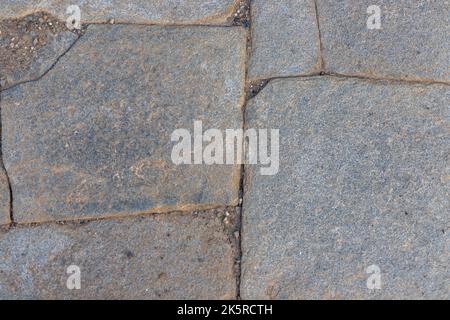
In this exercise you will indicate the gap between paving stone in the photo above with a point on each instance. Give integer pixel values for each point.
(360, 82)
(264, 81)
(256, 86)
(233, 231)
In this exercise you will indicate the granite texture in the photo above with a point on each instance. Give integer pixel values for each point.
(39, 62)
(363, 181)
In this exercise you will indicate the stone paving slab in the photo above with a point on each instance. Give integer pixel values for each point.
(411, 44)
(363, 181)
(5, 203)
(285, 39)
(142, 11)
(93, 137)
(30, 46)
(170, 256)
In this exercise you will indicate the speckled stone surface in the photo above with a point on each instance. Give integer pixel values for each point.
(5, 203)
(285, 39)
(175, 256)
(142, 11)
(92, 138)
(411, 44)
(363, 181)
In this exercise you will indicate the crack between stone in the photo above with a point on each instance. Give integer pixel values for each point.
(85, 28)
(146, 214)
(163, 25)
(2, 167)
(347, 76)
(320, 62)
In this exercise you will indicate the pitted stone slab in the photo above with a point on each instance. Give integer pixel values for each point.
(5, 203)
(285, 39)
(411, 44)
(93, 137)
(363, 181)
(173, 256)
(141, 11)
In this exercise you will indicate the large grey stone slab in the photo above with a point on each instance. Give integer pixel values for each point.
(174, 256)
(5, 203)
(411, 44)
(142, 11)
(363, 181)
(93, 137)
(30, 46)
(285, 39)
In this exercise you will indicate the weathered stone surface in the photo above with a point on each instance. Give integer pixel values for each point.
(93, 137)
(4, 198)
(30, 46)
(411, 44)
(174, 256)
(285, 39)
(142, 11)
(363, 181)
